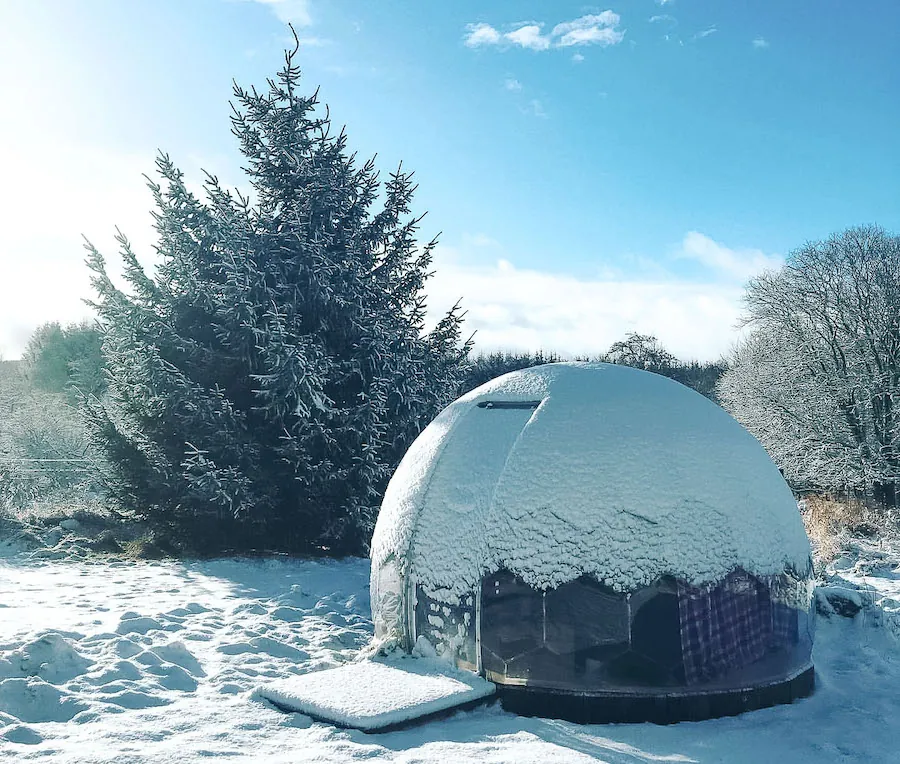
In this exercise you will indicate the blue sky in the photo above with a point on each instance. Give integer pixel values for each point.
(593, 169)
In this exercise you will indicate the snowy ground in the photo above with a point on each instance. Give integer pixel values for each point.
(106, 660)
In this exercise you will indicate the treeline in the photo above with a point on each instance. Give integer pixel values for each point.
(642, 351)
(68, 359)
(46, 457)
(65, 359)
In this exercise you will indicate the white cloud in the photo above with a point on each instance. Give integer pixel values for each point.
(662, 17)
(706, 32)
(314, 42)
(760, 42)
(480, 240)
(535, 108)
(526, 309)
(738, 265)
(577, 58)
(528, 36)
(664, 2)
(592, 29)
(481, 34)
(289, 11)
(511, 83)
(597, 29)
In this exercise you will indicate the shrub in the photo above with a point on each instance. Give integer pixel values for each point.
(832, 521)
(45, 453)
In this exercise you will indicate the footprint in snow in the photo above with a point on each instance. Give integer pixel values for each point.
(126, 648)
(133, 699)
(50, 656)
(119, 671)
(33, 700)
(173, 677)
(289, 614)
(131, 623)
(265, 645)
(177, 653)
(251, 608)
(23, 735)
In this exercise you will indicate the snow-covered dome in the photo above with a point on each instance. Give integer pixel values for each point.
(574, 469)
(601, 533)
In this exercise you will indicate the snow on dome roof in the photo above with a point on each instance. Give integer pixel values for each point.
(585, 469)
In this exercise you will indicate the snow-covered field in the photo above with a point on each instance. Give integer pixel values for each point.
(108, 660)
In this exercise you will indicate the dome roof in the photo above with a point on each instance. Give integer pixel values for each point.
(568, 469)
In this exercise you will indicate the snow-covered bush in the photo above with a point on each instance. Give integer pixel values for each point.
(263, 384)
(45, 453)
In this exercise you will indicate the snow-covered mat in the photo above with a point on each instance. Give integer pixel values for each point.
(374, 695)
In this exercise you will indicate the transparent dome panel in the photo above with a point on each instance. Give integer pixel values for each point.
(745, 630)
(387, 600)
(668, 637)
(449, 628)
(561, 637)
(512, 626)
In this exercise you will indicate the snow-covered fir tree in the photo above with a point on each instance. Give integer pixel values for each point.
(265, 381)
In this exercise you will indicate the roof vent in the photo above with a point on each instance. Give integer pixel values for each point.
(509, 404)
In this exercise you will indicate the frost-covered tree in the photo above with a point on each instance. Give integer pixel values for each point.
(645, 351)
(45, 454)
(486, 366)
(65, 358)
(264, 382)
(818, 378)
(642, 351)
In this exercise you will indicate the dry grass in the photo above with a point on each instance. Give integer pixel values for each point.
(831, 522)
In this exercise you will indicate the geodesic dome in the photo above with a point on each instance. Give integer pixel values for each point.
(601, 537)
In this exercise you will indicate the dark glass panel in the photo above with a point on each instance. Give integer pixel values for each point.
(511, 620)
(655, 632)
(582, 614)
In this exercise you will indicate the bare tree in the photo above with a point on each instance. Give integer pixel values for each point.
(817, 378)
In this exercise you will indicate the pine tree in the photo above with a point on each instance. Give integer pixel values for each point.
(487, 366)
(265, 382)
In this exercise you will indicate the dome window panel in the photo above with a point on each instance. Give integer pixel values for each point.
(512, 619)
(449, 628)
(582, 615)
(655, 631)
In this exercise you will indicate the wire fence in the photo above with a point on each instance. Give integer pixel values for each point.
(25, 481)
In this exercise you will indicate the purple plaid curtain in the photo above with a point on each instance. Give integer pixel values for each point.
(730, 625)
